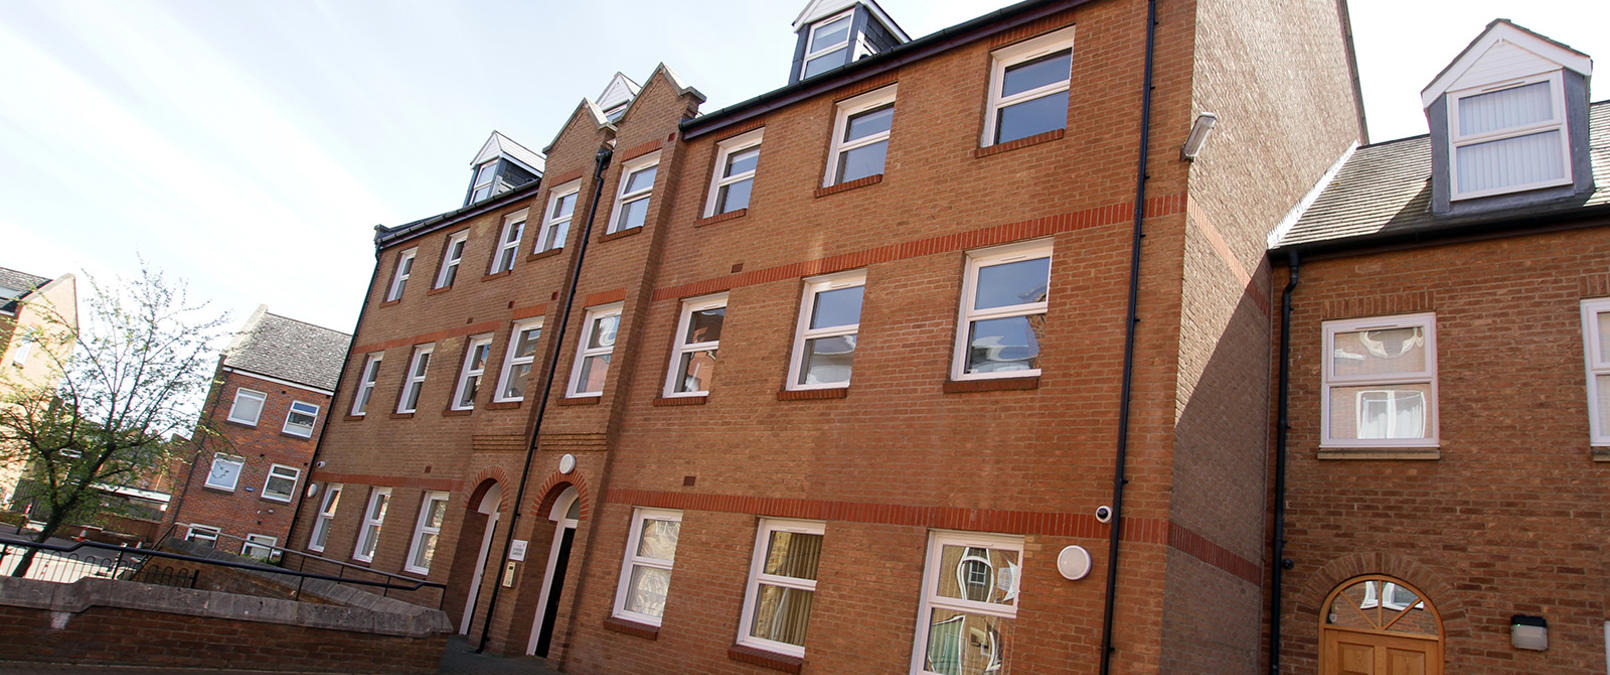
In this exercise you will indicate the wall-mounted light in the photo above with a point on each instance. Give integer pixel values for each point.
(1529, 632)
(1199, 133)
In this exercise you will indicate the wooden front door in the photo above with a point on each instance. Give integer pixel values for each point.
(1356, 653)
(1376, 625)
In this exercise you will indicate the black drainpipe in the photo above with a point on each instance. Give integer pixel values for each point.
(1282, 424)
(601, 162)
(1130, 320)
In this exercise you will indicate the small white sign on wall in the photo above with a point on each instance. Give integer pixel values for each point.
(517, 550)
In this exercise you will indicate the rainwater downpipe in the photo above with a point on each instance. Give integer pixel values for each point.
(1282, 425)
(601, 162)
(1118, 479)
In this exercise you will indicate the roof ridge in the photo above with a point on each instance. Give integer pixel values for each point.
(307, 323)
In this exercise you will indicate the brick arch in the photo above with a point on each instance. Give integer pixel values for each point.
(554, 486)
(481, 483)
(1439, 590)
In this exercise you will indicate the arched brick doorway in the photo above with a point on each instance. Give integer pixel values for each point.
(479, 526)
(1379, 625)
(565, 514)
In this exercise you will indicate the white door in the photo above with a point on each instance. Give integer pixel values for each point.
(488, 506)
(563, 515)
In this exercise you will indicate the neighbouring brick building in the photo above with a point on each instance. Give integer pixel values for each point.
(240, 484)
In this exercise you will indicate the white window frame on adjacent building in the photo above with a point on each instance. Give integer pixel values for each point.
(720, 182)
(240, 467)
(851, 108)
(325, 518)
(681, 347)
(399, 277)
(758, 576)
(25, 349)
(478, 344)
(206, 533)
(1428, 323)
(283, 473)
(645, 195)
(369, 530)
(1556, 123)
(1006, 57)
(814, 51)
(508, 247)
(260, 542)
(632, 561)
(366, 384)
(512, 360)
(414, 379)
(452, 256)
(1596, 352)
(932, 600)
(304, 409)
(423, 529)
(990, 257)
(803, 333)
(239, 416)
(556, 225)
(594, 316)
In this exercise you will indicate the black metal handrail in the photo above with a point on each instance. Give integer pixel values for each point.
(305, 556)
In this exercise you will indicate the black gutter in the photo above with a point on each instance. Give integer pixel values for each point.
(1125, 391)
(1282, 425)
(385, 236)
(600, 163)
(1454, 231)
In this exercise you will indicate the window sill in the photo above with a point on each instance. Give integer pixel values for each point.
(239, 424)
(299, 437)
(353, 418)
(1420, 454)
(1026, 141)
(498, 275)
(276, 500)
(873, 179)
(721, 217)
(214, 488)
(632, 628)
(812, 394)
(664, 401)
(994, 384)
(451, 412)
(423, 574)
(581, 400)
(612, 236)
(504, 405)
(438, 291)
(545, 254)
(1600, 454)
(389, 303)
(402, 416)
(765, 659)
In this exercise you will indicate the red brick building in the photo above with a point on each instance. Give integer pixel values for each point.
(239, 488)
(953, 362)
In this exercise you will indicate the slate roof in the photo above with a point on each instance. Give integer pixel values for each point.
(287, 349)
(1384, 192)
(21, 282)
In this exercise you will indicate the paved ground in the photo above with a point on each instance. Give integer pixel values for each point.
(460, 657)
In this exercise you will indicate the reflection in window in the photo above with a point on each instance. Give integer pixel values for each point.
(970, 605)
(829, 323)
(1003, 314)
(1380, 378)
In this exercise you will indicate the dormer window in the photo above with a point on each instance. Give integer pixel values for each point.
(485, 179)
(1509, 137)
(834, 33)
(500, 166)
(824, 50)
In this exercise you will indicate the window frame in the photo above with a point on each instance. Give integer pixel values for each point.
(415, 381)
(1457, 140)
(240, 468)
(295, 430)
(421, 529)
(741, 143)
(262, 402)
(930, 599)
(679, 347)
(757, 565)
(465, 372)
(1329, 380)
(490, 184)
(1597, 365)
(589, 319)
(365, 534)
(507, 249)
(622, 197)
(852, 107)
(447, 271)
(324, 519)
(630, 560)
(368, 376)
(400, 274)
(210, 533)
(550, 221)
(803, 331)
(989, 257)
(248, 543)
(1011, 55)
(811, 53)
(295, 478)
(510, 360)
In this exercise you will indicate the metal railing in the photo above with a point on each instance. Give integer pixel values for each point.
(342, 568)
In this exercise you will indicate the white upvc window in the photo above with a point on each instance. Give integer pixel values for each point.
(782, 586)
(1003, 312)
(636, 188)
(414, 379)
(452, 255)
(734, 176)
(248, 407)
(427, 530)
(321, 524)
(827, 330)
(646, 570)
(1380, 377)
(860, 136)
(366, 384)
(469, 376)
(1397, 598)
(300, 419)
(25, 349)
(508, 242)
(1596, 349)
(1028, 88)
(373, 517)
(591, 368)
(485, 181)
(1508, 137)
(205, 534)
(260, 546)
(556, 220)
(823, 48)
(399, 278)
(517, 361)
(965, 623)
(280, 486)
(225, 472)
(693, 352)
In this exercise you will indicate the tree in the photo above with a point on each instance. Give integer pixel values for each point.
(133, 371)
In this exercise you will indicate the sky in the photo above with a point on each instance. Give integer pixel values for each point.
(250, 147)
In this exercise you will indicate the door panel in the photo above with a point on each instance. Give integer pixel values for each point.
(1357, 653)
